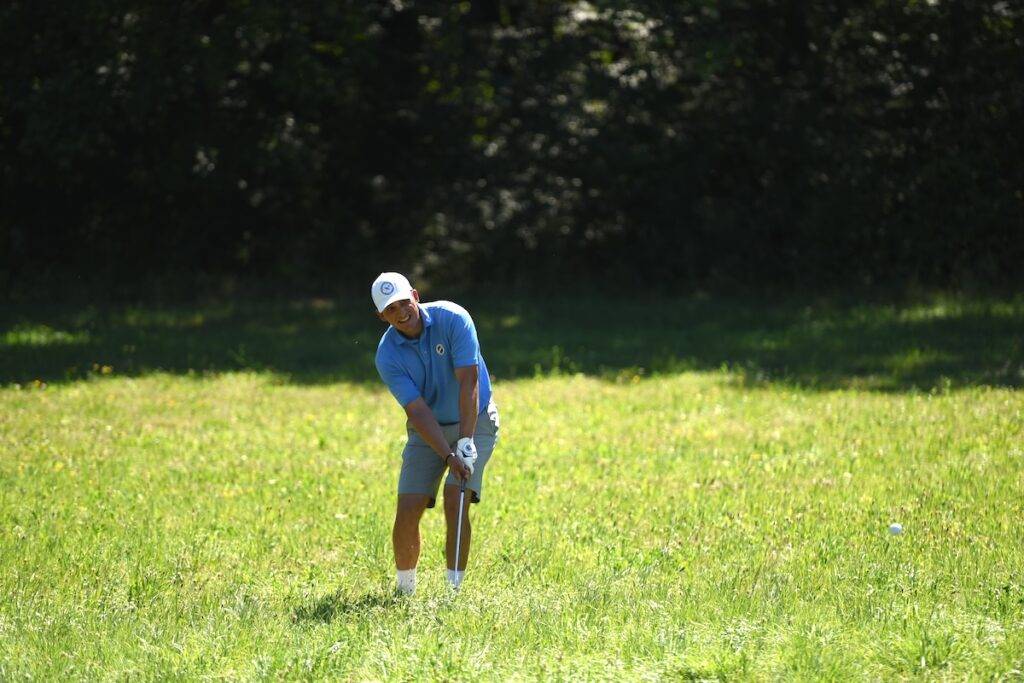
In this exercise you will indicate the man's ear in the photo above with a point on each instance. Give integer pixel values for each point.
(415, 296)
(381, 316)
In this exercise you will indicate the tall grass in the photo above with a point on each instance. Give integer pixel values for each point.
(701, 492)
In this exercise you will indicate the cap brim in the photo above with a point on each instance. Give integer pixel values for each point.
(396, 296)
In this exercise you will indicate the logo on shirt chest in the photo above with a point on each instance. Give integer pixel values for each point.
(439, 349)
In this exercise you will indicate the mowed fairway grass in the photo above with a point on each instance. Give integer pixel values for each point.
(694, 489)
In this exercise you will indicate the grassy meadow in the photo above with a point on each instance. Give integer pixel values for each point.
(684, 489)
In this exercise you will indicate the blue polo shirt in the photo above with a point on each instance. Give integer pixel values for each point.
(425, 367)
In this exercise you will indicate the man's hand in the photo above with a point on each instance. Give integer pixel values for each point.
(458, 467)
(465, 450)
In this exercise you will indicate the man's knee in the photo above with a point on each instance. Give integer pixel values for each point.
(410, 508)
(451, 499)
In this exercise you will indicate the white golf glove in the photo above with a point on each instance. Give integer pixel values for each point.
(465, 449)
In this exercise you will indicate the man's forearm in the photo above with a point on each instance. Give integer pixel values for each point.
(425, 424)
(469, 408)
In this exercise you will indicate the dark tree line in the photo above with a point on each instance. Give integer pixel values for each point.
(670, 142)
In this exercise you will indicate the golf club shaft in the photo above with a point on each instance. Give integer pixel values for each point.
(458, 531)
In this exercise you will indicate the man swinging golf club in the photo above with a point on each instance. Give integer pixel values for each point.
(430, 359)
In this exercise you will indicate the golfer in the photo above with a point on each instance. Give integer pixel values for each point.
(430, 359)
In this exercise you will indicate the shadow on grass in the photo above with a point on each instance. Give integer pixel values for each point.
(813, 344)
(335, 605)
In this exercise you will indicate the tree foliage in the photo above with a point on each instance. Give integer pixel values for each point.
(675, 142)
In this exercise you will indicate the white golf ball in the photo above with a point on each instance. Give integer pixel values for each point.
(895, 529)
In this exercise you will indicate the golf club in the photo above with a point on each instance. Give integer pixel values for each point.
(458, 531)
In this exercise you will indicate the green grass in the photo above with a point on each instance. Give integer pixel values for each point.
(694, 489)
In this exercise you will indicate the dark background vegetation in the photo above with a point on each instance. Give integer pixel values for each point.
(150, 147)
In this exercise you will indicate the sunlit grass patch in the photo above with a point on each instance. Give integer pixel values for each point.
(41, 335)
(641, 520)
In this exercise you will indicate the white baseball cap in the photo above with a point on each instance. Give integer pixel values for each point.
(390, 287)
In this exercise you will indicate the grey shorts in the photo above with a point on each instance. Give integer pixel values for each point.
(422, 468)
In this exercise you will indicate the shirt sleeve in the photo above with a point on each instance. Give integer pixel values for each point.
(464, 342)
(398, 380)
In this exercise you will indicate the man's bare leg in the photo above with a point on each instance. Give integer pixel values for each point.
(405, 537)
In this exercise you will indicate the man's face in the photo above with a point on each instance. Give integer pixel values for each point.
(404, 315)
